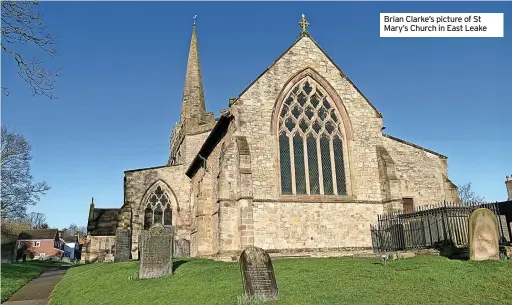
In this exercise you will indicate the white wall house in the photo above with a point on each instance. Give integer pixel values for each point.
(70, 246)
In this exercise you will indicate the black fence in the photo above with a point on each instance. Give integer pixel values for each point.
(432, 227)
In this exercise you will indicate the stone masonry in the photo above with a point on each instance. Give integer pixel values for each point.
(223, 177)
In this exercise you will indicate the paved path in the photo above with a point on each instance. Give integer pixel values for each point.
(37, 291)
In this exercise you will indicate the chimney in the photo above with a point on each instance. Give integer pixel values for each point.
(508, 184)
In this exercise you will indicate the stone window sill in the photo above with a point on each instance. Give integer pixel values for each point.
(316, 198)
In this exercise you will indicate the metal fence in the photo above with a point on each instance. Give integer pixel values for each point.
(430, 227)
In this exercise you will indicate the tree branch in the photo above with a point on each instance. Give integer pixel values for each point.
(22, 24)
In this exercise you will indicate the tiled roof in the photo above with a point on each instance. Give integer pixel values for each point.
(38, 234)
(103, 222)
(70, 238)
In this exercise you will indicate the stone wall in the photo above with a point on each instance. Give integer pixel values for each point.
(236, 199)
(184, 146)
(258, 104)
(296, 225)
(420, 173)
(212, 191)
(96, 247)
(174, 181)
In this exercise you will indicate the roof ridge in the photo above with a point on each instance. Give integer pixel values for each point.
(414, 145)
(302, 35)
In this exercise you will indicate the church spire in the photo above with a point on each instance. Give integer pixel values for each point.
(193, 108)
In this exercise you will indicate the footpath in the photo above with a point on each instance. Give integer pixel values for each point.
(37, 291)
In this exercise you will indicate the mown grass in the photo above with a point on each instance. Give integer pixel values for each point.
(420, 280)
(16, 275)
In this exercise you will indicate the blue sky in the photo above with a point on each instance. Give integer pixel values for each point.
(123, 66)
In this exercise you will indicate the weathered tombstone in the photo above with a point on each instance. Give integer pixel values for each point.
(258, 274)
(182, 248)
(483, 235)
(123, 245)
(156, 247)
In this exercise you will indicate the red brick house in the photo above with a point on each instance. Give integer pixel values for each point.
(40, 242)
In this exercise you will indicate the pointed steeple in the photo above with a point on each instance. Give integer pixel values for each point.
(193, 108)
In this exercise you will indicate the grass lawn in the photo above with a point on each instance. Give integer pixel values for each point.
(16, 275)
(419, 280)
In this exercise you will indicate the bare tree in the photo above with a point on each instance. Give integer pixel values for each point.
(38, 220)
(73, 230)
(22, 24)
(467, 196)
(18, 189)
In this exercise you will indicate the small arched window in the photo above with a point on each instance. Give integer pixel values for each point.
(157, 209)
(310, 142)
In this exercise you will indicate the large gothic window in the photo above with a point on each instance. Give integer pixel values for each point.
(157, 209)
(310, 143)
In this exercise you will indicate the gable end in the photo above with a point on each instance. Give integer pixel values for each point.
(343, 75)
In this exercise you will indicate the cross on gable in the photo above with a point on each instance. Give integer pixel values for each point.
(304, 24)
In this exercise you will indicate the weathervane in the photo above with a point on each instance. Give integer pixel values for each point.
(304, 24)
(195, 16)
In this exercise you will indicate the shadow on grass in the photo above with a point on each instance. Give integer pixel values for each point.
(16, 275)
(178, 263)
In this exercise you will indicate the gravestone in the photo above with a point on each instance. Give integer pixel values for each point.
(8, 252)
(156, 247)
(123, 245)
(258, 274)
(483, 235)
(182, 248)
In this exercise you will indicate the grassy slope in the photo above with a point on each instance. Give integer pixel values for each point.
(420, 280)
(16, 275)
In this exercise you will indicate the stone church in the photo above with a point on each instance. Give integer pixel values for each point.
(297, 163)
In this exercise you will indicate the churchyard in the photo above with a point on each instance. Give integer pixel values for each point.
(157, 278)
(424, 279)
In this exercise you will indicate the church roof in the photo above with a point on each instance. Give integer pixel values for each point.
(302, 35)
(217, 133)
(103, 222)
(415, 146)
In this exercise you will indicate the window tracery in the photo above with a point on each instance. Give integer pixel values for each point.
(157, 209)
(310, 143)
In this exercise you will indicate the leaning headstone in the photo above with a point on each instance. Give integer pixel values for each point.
(483, 235)
(182, 248)
(123, 245)
(156, 247)
(258, 274)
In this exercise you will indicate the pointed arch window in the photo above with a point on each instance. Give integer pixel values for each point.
(157, 209)
(311, 142)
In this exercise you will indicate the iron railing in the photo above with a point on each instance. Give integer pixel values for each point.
(430, 227)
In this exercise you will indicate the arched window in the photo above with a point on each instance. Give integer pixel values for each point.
(158, 209)
(310, 142)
